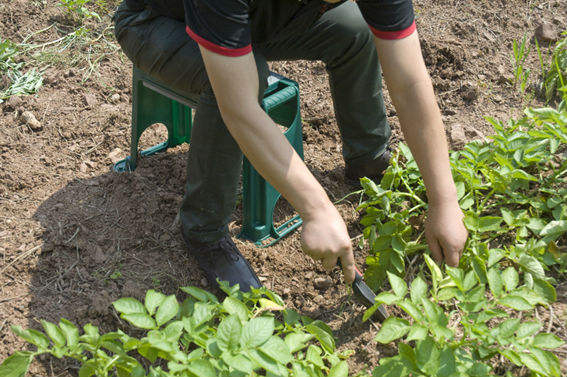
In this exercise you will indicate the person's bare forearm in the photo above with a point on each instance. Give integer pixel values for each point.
(411, 91)
(259, 138)
(271, 154)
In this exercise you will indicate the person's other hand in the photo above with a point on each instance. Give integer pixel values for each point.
(324, 237)
(445, 232)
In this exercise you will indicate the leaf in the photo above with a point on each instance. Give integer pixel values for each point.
(228, 333)
(324, 337)
(546, 340)
(508, 216)
(398, 285)
(447, 364)
(257, 331)
(202, 313)
(482, 224)
(270, 305)
(339, 370)
(202, 368)
(313, 355)
(528, 329)
(200, 294)
(545, 290)
(548, 361)
(88, 369)
(511, 278)
(128, 305)
(153, 300)
(140, 320)
(416, 332)
(236, 307)
(392, 329)
(554, 229)
(495, 281)
(297, 341)
(266, 362)
(70, 331)
(507, 328)
(532, 265)
(479, 267)
(238, 362)
(387, 298)
(418, 290)
(32, 336)
(16, 365)
(167, 310)
(54, 333)
(515, 302)
(436, 274)
(276, 348)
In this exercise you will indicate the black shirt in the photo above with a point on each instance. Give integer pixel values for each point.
(225, 26)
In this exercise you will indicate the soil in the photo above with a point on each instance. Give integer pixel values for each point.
(74, 236)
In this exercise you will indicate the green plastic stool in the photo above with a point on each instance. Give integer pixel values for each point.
(154, 102)
(259, 198)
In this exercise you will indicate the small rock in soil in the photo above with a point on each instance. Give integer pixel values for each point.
(323, 282)
(99, 257)
(319, 299)
(469, 92)
(546, 33)
(90, 100)
(30, 120)
(204, 282)
(13, 103)
(457, 134)
(115, 98)
(115, 154)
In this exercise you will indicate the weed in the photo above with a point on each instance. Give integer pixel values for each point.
(16, 80)
(555, 76)
(520, 52)
(78, 9)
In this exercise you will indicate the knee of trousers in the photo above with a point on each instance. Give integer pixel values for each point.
(351, 37)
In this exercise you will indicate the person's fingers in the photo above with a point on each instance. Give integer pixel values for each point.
(451, 254)
(329, 263)
(347, 261)
(435, 248)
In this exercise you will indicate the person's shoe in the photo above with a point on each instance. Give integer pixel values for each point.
(223, 261)
(373, 169)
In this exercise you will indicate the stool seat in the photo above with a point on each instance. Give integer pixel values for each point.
(153, 102)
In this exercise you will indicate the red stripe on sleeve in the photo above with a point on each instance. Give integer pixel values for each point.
(216, 48)
(398, 34)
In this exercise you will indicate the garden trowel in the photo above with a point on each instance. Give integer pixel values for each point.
(364, 293)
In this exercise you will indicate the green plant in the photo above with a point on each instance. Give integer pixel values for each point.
(247, 334)
(78, 8)
(458, 326)
(555, 76)
(520, 52)
(511, 190)
(16, 81)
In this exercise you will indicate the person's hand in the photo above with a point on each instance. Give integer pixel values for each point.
(445, 232)
(324, 237)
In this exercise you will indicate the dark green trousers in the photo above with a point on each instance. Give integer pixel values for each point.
(158, 44)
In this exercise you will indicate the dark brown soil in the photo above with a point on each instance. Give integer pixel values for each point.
(75, 236)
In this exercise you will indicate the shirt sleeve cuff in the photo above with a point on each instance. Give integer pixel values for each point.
(398, 34)
(216, 48)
